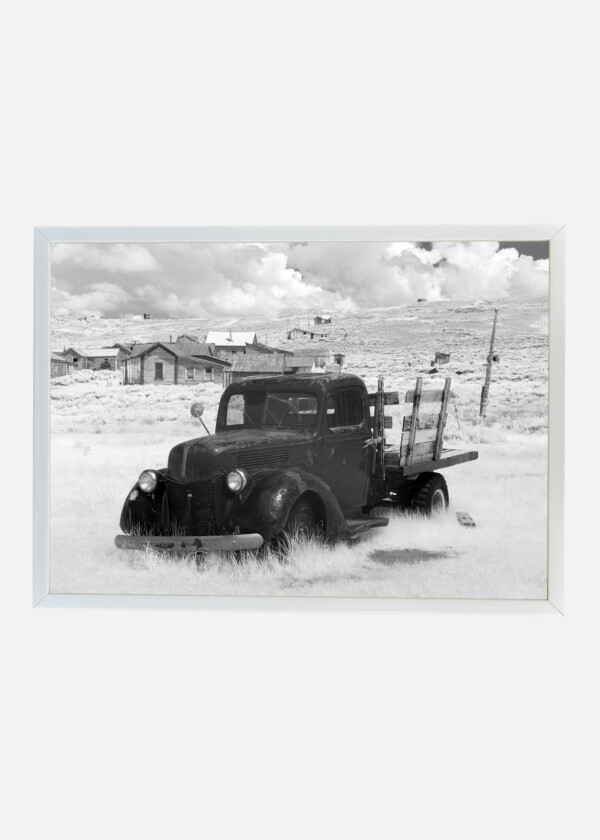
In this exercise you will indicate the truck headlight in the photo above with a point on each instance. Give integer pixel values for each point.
(148, 481)
(236, 480)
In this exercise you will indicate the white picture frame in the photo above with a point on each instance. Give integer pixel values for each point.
(45, 237)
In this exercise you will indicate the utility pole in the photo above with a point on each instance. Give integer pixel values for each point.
(485, 391)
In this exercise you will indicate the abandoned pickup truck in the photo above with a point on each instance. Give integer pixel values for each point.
(292, 454)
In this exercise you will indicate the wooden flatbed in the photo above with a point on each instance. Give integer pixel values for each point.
(421, 446)
(448, 458)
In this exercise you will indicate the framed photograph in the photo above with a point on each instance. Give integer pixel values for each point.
(351, 419)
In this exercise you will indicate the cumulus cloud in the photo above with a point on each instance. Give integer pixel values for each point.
(222, 279)
(120, 257)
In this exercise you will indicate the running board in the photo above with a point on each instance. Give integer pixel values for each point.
(358, 526)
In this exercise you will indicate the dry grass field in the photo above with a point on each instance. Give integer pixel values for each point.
(104, 434)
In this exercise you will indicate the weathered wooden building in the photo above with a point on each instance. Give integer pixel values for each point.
(103, 358)
(230, 344)
(77, 359)
(299, 332)
(256, 364)
(59, 365)
(165, 364)
(323, 319)
(304, 361)
(125, 348)
(339, 359)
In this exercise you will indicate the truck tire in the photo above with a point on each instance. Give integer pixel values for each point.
(431, 494)
(301, 523)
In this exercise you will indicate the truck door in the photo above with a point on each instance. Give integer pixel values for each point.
(345, 462)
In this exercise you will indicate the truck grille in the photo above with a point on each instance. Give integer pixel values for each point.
(192, 507)
(267, 458)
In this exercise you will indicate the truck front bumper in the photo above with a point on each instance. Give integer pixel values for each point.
(228, 542)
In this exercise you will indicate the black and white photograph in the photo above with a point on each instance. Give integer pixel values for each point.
(311, 418)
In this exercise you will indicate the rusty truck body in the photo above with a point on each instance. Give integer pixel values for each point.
(292, 454)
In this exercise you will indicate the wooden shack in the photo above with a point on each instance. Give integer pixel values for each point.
(323, 319)
(77, 359)
(104, 358)
(304, 361)
(299, 332)
(441, 358)
(59, 365)
(166, 364)
(230, 344)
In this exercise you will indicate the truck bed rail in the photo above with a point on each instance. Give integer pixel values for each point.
(447, 458)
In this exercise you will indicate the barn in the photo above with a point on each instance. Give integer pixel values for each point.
(166, 364)
(256, 364)
(59, 365)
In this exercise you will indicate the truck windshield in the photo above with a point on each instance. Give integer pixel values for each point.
(282, 409)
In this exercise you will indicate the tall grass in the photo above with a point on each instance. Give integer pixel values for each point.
(104, 434)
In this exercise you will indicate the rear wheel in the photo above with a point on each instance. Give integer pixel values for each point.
(431, 494)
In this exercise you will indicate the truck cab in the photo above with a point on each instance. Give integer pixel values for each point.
(289, 452)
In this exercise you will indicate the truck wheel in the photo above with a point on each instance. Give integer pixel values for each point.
(431, 495)
(301, 523)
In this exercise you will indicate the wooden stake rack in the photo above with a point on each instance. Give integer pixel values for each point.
(422, 433)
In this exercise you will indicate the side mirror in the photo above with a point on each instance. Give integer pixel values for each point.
(197, 410)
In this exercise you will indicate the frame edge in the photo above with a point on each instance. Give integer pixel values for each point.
(41, 416)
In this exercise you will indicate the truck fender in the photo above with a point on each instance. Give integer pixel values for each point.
(273, 494)
(143, 513)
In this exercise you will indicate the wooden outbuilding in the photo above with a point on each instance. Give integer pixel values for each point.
(441, 358)
(104, 358)
(230, 344)
(299, 332)
(59, 365)
(77, 359)
(304, 361)
(166, 364)
(256, 364)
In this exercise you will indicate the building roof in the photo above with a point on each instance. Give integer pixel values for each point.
(231, 339)
(58, 357)
(266, 348)
(260, 363)
(177, 350)
(193, 348)
(71, 350)
(140, 349)
(101, 352)
(306, 331)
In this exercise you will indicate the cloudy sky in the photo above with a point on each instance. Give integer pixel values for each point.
(196, 279)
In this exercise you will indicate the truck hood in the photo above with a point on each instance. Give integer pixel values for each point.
(251, 449)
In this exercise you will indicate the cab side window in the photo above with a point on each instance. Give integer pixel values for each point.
(345, 409)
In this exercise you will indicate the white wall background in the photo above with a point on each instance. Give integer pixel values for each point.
(238, 725)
